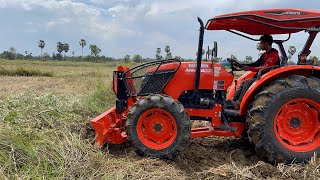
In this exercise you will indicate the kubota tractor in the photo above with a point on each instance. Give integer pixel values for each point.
(157, 101)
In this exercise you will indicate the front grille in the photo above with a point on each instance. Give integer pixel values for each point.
(150, 78)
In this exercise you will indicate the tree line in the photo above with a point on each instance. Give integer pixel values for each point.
(63, 48)
(12, 54)
(94, 56)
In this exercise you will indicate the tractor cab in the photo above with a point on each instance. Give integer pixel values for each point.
(157, 101)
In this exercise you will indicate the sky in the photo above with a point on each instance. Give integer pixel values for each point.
(121, 27)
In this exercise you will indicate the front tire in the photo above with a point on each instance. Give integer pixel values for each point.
(284, 120)
(158, 126)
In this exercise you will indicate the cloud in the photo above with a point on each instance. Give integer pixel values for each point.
(129, 26)
(85, 16)
(57, 7)
(118, 10)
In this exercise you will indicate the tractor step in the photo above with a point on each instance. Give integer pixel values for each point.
(220, 131)
(232, 112)
(227, 128)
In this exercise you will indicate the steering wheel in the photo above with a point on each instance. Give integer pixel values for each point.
(235, 63)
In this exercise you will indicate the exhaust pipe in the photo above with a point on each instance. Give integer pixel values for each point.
(199, 58)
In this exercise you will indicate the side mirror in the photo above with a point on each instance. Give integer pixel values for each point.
(215, 49)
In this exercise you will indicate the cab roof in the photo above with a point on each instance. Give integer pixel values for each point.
(268, 21)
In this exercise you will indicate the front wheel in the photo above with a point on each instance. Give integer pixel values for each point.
(284, 120)
(158, 126)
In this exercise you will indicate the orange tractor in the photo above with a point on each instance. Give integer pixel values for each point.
(280, 112)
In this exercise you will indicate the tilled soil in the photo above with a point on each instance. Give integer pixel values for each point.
(218, 158)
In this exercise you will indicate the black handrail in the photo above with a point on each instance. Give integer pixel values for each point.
(138, 68)
(250, 38)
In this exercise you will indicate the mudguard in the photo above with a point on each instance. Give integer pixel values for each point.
(237, 83)
(305, 70)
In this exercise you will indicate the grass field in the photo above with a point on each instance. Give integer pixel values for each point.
(45, 134)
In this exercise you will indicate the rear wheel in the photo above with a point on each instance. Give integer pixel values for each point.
(158, 126)
(284, 120)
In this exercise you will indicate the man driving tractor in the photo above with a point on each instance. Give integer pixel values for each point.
(268, 59)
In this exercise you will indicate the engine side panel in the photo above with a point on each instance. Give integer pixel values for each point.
(212, 77)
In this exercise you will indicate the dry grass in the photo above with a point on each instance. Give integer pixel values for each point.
(45, 134)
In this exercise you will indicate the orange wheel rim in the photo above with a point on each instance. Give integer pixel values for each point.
(297, 126)
(157, 129)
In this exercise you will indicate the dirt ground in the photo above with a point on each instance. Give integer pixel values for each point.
(204, 158)
(216, 158)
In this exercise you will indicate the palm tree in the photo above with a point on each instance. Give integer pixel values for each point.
(169, 55)
(65, 48)
(259, 49)
(158, 56)
(41, 45)
(248, 59)
(82, 44)
(158, 50)
(292, 50)
(59, 47)
(167, 49)
(95, 50)
(203, 52)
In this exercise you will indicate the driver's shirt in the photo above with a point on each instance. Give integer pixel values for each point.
(267, 59)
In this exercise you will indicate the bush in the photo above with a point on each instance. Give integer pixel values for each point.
(24, 72)
(137, 58)
(8, 55)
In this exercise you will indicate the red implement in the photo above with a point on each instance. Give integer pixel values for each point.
(109, 127)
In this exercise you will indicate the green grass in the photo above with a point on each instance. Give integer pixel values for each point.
(102, 98)
(20, 71)
(49, 137)
(46, 136)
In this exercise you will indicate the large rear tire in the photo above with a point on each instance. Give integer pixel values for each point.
(158, 126)
(284, 120)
